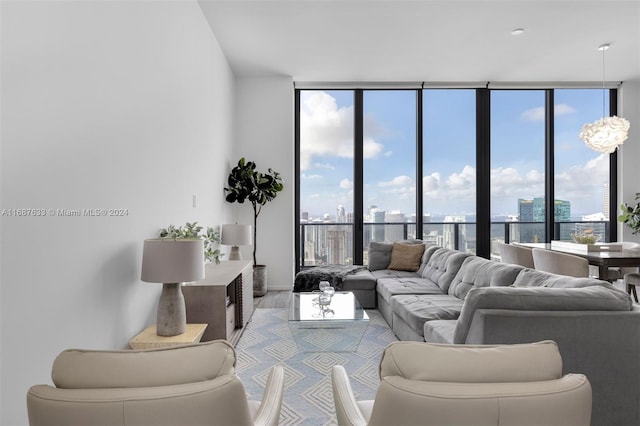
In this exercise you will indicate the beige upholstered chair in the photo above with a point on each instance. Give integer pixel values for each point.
(559, 263)
(187, 385)
(516, 254)
(437, 384)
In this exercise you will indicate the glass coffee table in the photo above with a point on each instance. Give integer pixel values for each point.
(336, 325)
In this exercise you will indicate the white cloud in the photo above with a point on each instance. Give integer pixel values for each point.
(537, 114)
(346, 184)
(533, 114)
(397, 181)
(562, 109)
(310, 177)
(325, 166)
(462, 180)
(388, 154)
(326, 130)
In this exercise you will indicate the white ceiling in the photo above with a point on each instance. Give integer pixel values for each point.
(429, 40)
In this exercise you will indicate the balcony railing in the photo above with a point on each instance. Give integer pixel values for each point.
(332, 243)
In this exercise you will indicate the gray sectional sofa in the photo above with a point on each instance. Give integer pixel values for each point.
(455, 297)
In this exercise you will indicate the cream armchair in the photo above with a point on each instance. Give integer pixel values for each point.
(187, 385)
(438, 384)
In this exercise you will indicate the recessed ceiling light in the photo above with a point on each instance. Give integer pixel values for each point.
(517, 31)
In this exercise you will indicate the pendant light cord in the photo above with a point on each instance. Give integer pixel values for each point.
(603, 80)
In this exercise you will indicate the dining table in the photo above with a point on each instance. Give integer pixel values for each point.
(603, 259)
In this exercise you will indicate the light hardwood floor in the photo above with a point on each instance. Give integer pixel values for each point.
(273, 299)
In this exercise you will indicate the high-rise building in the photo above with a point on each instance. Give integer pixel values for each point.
(394, 232)
(341, 217)
(605, 201)
(525, 210)
(534, 211)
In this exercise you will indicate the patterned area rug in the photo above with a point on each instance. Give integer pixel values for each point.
(308, 398)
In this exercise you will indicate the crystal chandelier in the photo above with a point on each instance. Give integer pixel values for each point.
(606, 134)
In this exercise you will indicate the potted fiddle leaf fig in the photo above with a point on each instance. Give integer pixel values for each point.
(246, 183)
(631, 215)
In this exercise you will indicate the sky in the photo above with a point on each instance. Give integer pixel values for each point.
(517, 150)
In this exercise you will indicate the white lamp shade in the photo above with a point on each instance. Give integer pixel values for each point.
(236, 235)
(168, 260)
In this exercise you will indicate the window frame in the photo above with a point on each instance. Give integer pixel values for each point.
(483, 170)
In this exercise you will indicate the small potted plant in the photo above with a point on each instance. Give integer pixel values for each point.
(631, 215)
(245, 183)
(192, 230)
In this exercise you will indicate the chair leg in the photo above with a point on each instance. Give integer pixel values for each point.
(631, 289)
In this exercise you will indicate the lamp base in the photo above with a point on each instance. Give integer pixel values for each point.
(171, 318)
(234, 254)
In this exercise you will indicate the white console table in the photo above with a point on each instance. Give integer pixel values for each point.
(223, 299)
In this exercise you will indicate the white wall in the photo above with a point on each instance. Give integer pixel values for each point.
(264, 134)
(104, 105)
(629, 153)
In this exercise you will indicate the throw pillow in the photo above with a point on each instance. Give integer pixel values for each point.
(379, 255)
(406, 257)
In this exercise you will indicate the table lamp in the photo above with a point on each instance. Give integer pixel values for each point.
(171, 262)
(235, 235)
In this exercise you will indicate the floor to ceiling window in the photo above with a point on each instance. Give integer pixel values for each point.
(326, 169)
(460, 168)
(389, 166)
(517, 166)
(449, 168)
(581, 174)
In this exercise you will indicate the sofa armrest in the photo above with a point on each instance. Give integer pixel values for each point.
(347, 409)
(603, 345)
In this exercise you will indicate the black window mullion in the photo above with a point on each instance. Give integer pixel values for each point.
(549, 172)
(358, 179)
(298, 244)
(483, 173)
(419, 148)
(613, 175)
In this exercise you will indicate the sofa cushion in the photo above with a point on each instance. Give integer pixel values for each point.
(388, 287)
(442, 266)
(361, 280)
(379, 255)
(534, 278)
(416, 309)
(439, 331)
(406, 257)
(390, 273)
(593, 298)
(480, 272)
(428, 252)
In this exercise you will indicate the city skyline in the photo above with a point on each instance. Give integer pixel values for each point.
(517, 168)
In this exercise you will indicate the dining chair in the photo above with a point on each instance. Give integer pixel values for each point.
(560, 263)
(516, 254)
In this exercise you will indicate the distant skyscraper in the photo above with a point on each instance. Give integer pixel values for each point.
(605, 201)
(305, 216)
(525, 210)
(378, 226)
(341, 217)
(394, 232)
(534, 211)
